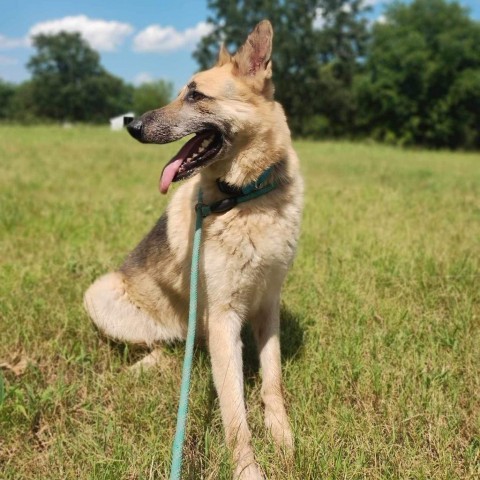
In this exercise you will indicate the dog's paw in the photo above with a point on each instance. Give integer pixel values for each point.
(248, 472)
(154, 358)
(246, 467)
(278, 425)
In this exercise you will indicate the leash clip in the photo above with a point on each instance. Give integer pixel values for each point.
(203, 209)
(257, 184)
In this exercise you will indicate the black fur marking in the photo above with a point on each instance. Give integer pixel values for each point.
(154, 247)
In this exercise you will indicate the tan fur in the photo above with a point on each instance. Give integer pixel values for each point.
(246, 252)
(223, 56)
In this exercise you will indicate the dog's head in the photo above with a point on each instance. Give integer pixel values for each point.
(220, 106)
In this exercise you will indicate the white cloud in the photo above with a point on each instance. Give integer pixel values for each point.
(4, 60)
(381, 19)
(9, 43)
(156, 38)
(104, 35)
(143, 77)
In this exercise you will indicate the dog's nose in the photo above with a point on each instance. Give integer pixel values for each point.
(135, 129)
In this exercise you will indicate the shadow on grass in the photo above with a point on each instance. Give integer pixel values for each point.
(291, 342)
(129, 353)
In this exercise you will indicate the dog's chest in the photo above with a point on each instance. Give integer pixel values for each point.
(244, 255)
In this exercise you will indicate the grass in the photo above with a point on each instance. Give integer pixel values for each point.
(381, 317)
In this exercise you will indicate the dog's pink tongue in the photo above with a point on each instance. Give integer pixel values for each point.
(168, 173)
(171, 168)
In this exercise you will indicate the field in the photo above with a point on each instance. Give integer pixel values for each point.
(381, 318)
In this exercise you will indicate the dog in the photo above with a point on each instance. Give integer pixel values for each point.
(246, 252)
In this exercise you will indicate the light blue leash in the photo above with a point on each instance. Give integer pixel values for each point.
(177, 448)
(249, 192)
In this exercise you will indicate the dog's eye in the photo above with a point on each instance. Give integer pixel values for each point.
(194, 96)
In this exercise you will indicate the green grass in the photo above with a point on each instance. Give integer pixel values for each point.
(381, 314)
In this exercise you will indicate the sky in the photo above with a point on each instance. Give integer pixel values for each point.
(139, 41)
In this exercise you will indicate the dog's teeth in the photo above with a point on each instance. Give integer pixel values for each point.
(195, 155)
(200, 150)
(207, 142)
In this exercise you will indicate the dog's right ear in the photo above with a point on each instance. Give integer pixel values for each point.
(224, 56)
(253, 58)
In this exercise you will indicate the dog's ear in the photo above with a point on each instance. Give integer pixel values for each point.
(253, 57)
(223, 56)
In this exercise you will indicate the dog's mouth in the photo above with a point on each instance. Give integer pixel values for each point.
(197, 153)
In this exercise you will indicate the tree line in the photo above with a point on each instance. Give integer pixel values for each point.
(68, 84)
(410, 78)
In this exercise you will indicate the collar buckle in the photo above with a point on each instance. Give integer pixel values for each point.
(241, 194)
(224, 205)
(221, 206)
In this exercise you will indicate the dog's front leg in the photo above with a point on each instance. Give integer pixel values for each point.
(226, 355)
(266, 327)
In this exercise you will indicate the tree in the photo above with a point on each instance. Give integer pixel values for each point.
(68, 82)
(7, 92)
(151, 95)
(342, 41)
(422, 76)
(22, 105)
(309, 54)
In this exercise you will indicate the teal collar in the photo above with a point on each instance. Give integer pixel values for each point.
(247, 192)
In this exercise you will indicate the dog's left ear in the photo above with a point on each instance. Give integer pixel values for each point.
(224, 56)
(253, 57)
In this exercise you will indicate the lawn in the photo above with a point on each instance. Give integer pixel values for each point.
(381, 318)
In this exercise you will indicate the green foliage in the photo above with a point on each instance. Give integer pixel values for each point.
(68, 82)
(151, 95)
(301, 51)
(421, 81)
(342, 37)
(7, 92)
(22, 105)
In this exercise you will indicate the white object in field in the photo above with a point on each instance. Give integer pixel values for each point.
(116, 123)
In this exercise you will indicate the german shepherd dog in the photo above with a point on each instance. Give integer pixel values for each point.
(240, 131)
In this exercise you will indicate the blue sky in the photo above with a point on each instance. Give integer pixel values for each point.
(138, 40)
